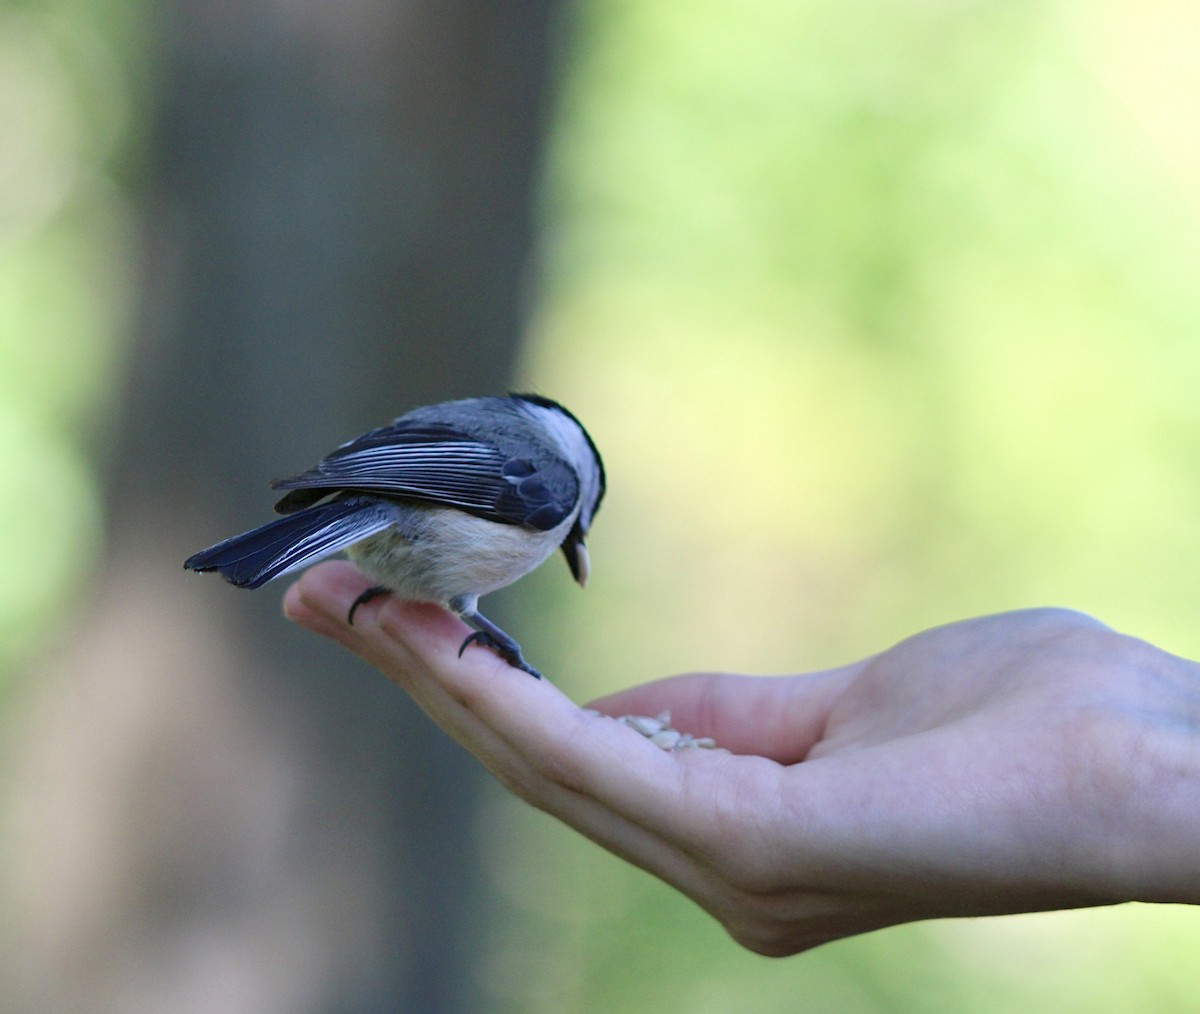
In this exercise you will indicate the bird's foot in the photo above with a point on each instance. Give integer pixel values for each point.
(371, 593)
(502, 645)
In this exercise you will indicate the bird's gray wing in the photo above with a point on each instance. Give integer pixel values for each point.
(441, 466)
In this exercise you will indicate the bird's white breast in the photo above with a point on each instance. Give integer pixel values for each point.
(445, 554)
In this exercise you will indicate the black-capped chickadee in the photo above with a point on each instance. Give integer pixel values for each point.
(445, 504)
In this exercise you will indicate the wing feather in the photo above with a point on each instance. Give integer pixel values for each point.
(288, 543)
(437, 465)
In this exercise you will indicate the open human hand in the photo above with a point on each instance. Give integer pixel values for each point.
(1019, 762)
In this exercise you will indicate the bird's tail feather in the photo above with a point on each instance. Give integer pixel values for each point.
(289, 543)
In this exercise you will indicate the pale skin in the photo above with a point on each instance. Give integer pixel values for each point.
(1020, 762)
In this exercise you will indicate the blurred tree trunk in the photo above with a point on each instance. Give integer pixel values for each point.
(231, 815)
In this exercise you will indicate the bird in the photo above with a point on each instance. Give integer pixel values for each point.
(444, 504)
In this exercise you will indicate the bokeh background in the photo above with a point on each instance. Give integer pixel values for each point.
(882, 313)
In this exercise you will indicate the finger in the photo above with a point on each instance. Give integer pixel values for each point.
(495, 710)
(779, 717)
(320, 601)
(550, 739)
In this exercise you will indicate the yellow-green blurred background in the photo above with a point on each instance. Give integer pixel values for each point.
(883, 314)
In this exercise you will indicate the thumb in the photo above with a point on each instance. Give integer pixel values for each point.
(778, 717)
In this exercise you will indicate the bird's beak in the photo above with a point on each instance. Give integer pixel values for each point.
(577, 559)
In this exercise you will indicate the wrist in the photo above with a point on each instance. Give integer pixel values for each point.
(1148, 780)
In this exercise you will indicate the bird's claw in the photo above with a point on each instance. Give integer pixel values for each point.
(507, 650)
(370, 593)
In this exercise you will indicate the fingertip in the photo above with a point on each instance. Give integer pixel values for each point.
(293, 603)
(321, 597)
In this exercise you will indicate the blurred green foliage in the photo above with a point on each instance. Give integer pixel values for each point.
(68, 71)
(904, 293)
(883, 314)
